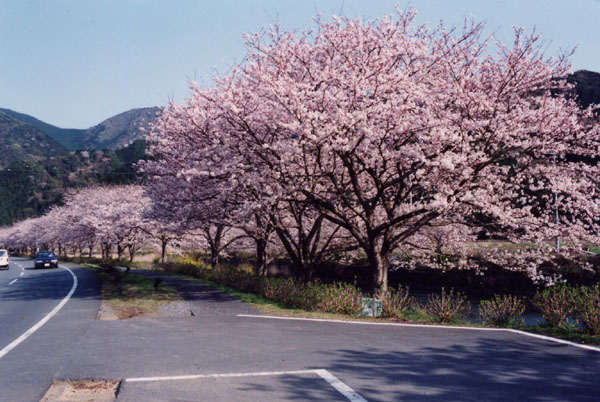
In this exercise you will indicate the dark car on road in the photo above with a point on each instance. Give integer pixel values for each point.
(45, 259)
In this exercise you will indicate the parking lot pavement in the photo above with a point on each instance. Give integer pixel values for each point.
(374, 362)
(305, 385)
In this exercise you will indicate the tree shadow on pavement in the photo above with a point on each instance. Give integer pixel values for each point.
(489, 370)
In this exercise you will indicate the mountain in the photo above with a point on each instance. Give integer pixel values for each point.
(118, 131)
(587, 87)
(20, 141)
(113, 133)
(65, 136)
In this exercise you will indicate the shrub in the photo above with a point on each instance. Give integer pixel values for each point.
(181, 268)
(587, 307)
(341, 298)
(394, 302)
(501, 310)
(290, 292)
(555, 303)
(445, 307)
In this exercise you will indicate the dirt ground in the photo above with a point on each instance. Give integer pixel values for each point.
(81, 391)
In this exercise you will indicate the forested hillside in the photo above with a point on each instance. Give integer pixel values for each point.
(65, 136)
(23, 142)
(30, 188)
(117, 131)
(587, 87)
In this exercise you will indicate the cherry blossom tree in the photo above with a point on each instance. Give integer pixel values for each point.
(386, 129)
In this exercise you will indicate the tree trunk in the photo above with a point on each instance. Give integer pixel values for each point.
(379, 268)
(214, 256)
(261, 258)
(106, 251)
(131, 252)
(163, 249)
(215, 244)
(120, 250)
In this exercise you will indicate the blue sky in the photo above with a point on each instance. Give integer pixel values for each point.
(73, 63)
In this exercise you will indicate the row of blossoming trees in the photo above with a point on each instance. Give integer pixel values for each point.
(383, 138)
(99, 218)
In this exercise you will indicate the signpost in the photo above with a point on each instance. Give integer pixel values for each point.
(370, 307)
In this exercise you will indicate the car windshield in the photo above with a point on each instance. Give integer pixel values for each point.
(2, 253)
(43, 254)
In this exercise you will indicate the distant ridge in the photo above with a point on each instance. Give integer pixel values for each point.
(20, 141)
(113, 133)
(65, 136)
(118, 131)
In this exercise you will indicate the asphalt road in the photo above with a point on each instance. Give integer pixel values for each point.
(27, 295)
(264, 359)
(27, 371)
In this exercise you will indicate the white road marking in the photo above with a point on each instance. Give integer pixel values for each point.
(22, 273)
(227, 375)
(44, 320)
(342, 388)
(332, 380)
(13, 281)
(397, 324)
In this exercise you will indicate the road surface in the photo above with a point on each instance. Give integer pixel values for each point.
(229, 355)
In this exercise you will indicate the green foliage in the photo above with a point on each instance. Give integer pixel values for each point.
(15, 189)
(31, 188)
(501, 310)
(555, 304)
(587, 307)
(447, 306)
(122, 163)
(395, 302)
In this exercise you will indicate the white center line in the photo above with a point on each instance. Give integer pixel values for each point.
(13, 281)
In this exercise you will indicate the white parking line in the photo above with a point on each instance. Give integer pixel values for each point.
(398, 324)
(332, 380)
(13, 281)
(44, 320)
(342, 388)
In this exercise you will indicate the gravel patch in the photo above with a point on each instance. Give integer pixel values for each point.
(175, 309)
(106, 312)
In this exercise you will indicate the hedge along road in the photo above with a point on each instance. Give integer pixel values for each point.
(226, 353)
